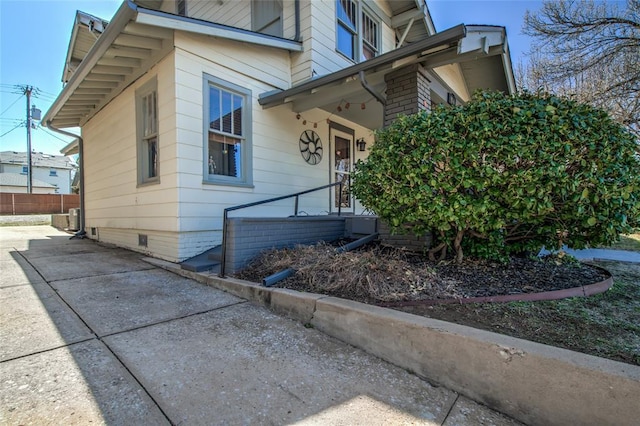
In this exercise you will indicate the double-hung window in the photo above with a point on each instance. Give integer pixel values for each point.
(147, 129)
(357, 31)
(227, 118)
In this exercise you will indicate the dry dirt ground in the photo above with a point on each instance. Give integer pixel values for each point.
(606, 325)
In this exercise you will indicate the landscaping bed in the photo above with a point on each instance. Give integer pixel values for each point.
(606, 325)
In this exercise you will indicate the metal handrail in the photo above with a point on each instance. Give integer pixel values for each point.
(223, 254)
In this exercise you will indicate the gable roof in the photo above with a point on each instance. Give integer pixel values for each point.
(133, 41)
(38, 159)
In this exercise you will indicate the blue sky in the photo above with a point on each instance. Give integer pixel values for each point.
(34, 36)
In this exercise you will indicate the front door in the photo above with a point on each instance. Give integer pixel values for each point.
(342, 141)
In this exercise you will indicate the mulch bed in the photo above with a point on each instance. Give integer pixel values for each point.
(378, 274)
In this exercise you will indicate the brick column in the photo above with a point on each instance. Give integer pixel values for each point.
(408, 92)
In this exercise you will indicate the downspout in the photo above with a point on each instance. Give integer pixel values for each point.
(371, 90)
(81, 233)
(297, 12)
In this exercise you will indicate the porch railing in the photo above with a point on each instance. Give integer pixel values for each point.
(225, 217)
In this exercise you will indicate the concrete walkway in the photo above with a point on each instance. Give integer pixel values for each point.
(92, 334)
(605, 254)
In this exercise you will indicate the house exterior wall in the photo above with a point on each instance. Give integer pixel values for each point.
(236, 13)
(117, 207)
(318, 33)
(182, 215)
(317, 30)
(278, 168)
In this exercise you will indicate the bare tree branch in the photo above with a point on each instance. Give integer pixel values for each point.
(589, 51)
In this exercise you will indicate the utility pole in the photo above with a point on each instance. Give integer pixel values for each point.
(27, 91)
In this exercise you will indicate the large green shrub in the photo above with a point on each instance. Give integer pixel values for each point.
(505, 174)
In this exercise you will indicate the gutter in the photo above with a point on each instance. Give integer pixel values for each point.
(81, 232)
(297, 13)
(366, 86)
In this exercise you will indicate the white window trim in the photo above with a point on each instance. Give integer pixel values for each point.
(246, 168)
(362, 8)
(143, 167)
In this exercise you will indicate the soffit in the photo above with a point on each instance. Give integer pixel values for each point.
(122, 53)
(86, 30)
(414, 15)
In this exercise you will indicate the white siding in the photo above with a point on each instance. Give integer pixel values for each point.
(318, 29)
(274, 147)
(237, 13)
(278, 168)
(234, 13)
(115, 204)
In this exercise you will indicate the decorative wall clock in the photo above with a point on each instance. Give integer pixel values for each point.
(310, 147)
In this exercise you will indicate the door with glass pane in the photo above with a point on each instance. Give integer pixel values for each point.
(342, 140)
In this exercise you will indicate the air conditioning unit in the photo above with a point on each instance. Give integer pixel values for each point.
(74, 219)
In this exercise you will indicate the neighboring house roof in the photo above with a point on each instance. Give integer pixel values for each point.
(134, 40)
(480, 52)
(17, 179)
(38, 159)
(72, 148)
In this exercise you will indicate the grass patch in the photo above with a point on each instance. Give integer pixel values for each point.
(630, 242)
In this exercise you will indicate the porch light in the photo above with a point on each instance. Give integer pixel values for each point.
(451, 98)
(362, 144)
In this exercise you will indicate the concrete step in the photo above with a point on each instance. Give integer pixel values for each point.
(203, 262)
(215, 254)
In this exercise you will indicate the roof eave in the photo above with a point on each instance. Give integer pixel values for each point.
(130, 13)
(125, 13)
(449, 36)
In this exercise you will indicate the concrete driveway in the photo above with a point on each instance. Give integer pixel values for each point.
(93, 334)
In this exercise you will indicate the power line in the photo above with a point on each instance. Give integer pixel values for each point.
(4, 134)
(51, 134)
(14, 102)
(48, 93)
